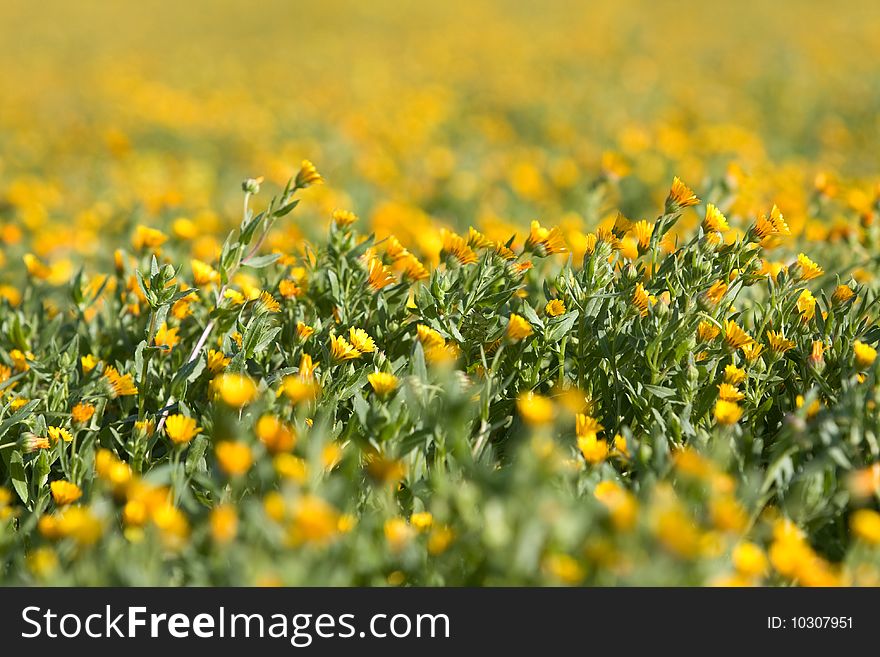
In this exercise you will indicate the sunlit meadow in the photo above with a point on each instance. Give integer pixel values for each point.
(470, 294)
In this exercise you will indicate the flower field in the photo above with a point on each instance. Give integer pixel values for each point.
(390, 295)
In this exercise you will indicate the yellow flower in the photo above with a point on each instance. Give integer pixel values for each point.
(458, 248)
(379, 276)
(621, 504)
(314, 521)
(727, 412)
(707, 331)
(594, 450)
(398, 533)
(166, 337)
(716, 292)
(749, 559)
(20, 360)
(291, 467)
(808, 268)
(236, 390)
(361, 341)
(383, 383)
(299, 389)
(181, 429)
(734, 336)
(752, 350)
(518, 328)
(643, 230)
(865, 525)
(865, 354)
(779, 343)
(203, 273)
(813, 408)
(88, 363)
(65, 492)
(535, 409)
(842, 294)
(217, 361)
(234, 458)
(304, 331)
(806, 305)
(276, 435)
(429, 337)
(149, 238)
(35, 267)
(121, 385)
(729, 393)
(555, 308)
(42, 562)
(58, 433)
(343, 218)
(545, 241)
(641, 299)
(82, 412)
(771, 226)
(680, 196)
(289, 289)
(421, 520)
(268, 303)
(224, 523)
(234, 296)
(734, 375)
(308, 175)
(715, 221)
(340, 349)
(564, 568)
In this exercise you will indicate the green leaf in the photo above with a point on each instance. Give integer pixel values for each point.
(19, 477)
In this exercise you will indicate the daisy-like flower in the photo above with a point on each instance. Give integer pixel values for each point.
(412, 268)
(181, 429)
(806, 305)
(770, 226)
(276, 435)
(304, 331)
(217, 361)
(865, 354)
(429, 337)
(714, 220)
(307, 368)
(734, 375)
(707, 331)
(477, 240)
(383, 383)
(680, 196)
(268, 303)
(236, 390)
(716, 292)
(752, 350)
(734, 336)
(121, 385)
(728, 392)
(203, 273)
(167, 338)
(642, 300)
(340, 349)
(727, 412)
(289, 289)
(148, 238)
(808, 269)
(88, 363)
(455, 246)
(535, 409)
(379, 275)
(518, 327)
(555, 308)
(361, 341)
(343, 218)
(842, 294)
(234, 457)
(307, 176)
(779, 343)
(65, 492)
(59, 433)
(643, 230)
(545, 241)
(82, 412)
(817, 355)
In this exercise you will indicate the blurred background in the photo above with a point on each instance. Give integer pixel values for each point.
(420, 115)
